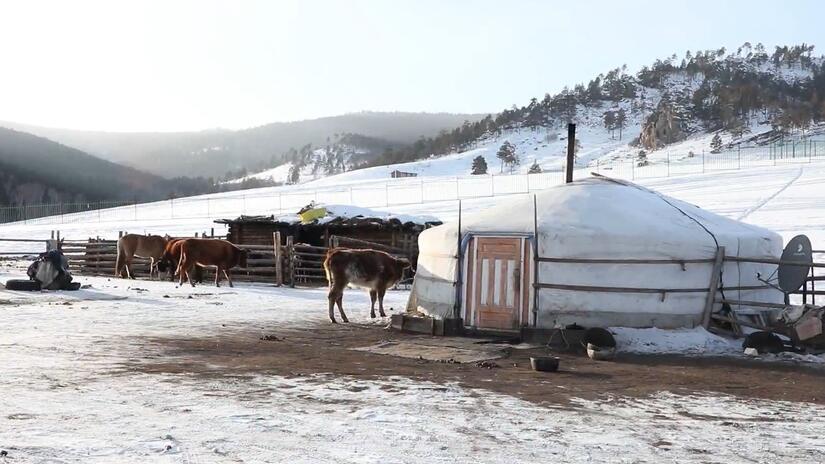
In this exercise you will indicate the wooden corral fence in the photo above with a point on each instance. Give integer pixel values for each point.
(305, 262)
(97, 256)
(292, 264)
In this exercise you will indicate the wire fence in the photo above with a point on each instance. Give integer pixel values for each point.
(415, 190)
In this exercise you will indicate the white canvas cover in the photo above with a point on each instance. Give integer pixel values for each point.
(599, 218)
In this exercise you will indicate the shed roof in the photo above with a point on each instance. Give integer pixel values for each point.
(342, 215)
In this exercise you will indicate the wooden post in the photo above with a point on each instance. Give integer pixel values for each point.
(714, 283)
(536, 262)
(290, 253)
(279, 271)
(571, 152)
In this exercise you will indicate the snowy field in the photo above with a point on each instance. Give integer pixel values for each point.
(70, 393)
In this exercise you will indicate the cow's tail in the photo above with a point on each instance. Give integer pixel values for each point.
(327, 259)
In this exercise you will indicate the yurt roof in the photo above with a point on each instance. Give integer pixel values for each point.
(604, 214)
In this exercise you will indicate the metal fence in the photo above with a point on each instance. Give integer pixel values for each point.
(408, 191)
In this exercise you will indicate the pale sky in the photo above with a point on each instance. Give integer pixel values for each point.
(189, 65)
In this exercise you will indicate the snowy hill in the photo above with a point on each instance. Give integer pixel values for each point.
(670, 108)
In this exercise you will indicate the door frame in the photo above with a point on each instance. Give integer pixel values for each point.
(468, 310)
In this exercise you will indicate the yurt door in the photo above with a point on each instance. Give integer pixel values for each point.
(497, 282)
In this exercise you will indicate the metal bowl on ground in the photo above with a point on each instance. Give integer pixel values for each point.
(600, 353)
(544, 363)
(599, 343)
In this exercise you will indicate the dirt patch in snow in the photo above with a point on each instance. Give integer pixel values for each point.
(329, 349)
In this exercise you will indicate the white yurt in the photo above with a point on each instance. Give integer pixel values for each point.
(610, 254)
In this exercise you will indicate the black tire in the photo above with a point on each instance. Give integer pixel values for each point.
(764, 342)
(599, 337)
(23, 285)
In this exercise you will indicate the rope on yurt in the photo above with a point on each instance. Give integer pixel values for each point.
(634, 185)
(721, 269)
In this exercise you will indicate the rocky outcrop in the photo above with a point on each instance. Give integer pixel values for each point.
(664, 126)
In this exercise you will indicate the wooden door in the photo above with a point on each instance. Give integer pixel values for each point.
(497, 274)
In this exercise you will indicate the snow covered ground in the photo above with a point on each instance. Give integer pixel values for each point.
(68, 395)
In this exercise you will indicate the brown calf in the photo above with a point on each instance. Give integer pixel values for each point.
(171, 258)
(373, 270)
(144, 246)
(209, 252)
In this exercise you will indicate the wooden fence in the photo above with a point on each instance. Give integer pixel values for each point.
(292, 263)
(98, 257)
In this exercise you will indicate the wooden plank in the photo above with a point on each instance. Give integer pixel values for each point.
(290, 255)
(714, 284)
(593, 288)
(756, 304)
(279, 271)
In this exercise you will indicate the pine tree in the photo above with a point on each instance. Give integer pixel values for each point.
(621, 121)
(294, 174)
(513, 161)
(505, 154)
(479, 165)
(716, 144)
(609, 121)
(534, 168)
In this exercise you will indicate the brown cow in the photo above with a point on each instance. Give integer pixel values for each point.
(373, 270)
(209, 252)
(144, 246)
(171, 258)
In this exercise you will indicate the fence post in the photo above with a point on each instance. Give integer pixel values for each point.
(668, 163)
(350, 195)
(290, 256)
(98, 210)
(279, 271)
(703, 161)
(244, 203)
(739, 156)
(632, 169)
(492, 185)
(208, 207)
(387, 193)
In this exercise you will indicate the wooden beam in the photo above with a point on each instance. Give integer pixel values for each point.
(290, 250)
(715, 275)
(279, 271)
(756, 304)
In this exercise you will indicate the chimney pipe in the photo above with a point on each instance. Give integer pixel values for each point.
(571, 152)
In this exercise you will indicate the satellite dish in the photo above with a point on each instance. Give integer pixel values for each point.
(792, 276)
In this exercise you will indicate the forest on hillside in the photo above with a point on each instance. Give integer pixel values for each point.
(725, 90)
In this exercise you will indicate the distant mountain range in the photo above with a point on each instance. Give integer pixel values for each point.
(213, 153)
(35, 170)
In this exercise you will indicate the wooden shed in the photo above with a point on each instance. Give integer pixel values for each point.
(393, 230)
(398, 174)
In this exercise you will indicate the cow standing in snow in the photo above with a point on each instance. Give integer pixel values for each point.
(373, 270)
